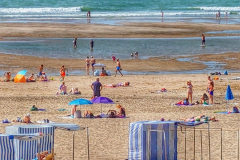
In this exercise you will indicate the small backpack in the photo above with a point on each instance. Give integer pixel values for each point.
(235, 109)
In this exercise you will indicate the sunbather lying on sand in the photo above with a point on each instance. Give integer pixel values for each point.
(117, 85)
(88, 114)
(183, 102)
(201, 118)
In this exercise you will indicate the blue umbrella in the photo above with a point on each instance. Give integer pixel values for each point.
(23, 72)
(229, 95)
(80, 102)
(102, 100)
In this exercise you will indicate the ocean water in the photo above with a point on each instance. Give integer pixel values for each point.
(107, 11)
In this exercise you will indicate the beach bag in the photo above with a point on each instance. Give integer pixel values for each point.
(77, 114)
(225, 73)
(235, 109)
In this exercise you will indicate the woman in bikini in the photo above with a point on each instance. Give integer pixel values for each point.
(210, 92)
(87, 65)
(63, 72)
(189, 90)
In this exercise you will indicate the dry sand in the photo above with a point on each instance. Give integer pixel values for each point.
(109, 137)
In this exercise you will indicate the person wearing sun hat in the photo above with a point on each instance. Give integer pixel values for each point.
(122, 112)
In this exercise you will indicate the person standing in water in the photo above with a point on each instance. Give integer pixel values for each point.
(87, 65)
(75, 43)
(162, 13)
(118, 68)
(91, 44)
(203, 39)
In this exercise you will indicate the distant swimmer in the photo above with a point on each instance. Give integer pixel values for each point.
(75, 43)
(91, 44)
(132, 55)
(203, 39)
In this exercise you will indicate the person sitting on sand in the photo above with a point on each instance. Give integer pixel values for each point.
(122, 112)
(112, 113)
(88, 114)
(63, 88)
(31, 78)
(7, 76)
(117, 85)
(204, 98)
(44, 77)
(75, 91)
(104, 72)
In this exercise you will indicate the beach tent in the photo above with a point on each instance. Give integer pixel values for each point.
(151, 140)
(30, 148)
(46, 143)
(20, 77)
(8, 145)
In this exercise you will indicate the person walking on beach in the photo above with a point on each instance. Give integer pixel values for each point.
(136, 55)
(96, 87)
(63, 73)
(189, 90)
(91, 44)
(93, 61)
(40, 69)
(118, 68)
(87, 65)
(203, 39)
(75, 43)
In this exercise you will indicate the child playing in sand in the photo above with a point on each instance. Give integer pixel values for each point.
(75, 91)
(63, 88)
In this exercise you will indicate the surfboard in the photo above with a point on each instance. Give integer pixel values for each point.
(202, 45)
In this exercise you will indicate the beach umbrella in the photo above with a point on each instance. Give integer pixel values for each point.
(101, 100)
(229, 96)
(80, 102)
(20, 77)
(99, 65)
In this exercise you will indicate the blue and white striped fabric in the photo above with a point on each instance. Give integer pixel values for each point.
(28, 149)
(153, 140)
(6, 147)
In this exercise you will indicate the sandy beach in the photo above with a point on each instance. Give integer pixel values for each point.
(142, 101)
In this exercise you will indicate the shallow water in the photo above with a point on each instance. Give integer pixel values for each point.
(120, 47)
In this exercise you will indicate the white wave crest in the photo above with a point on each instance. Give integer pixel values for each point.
(219, 8)
(39, 10)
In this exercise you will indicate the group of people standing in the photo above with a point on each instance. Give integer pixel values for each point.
(75, 44)
(209, 90)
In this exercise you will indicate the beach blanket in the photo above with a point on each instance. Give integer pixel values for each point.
(184, 104)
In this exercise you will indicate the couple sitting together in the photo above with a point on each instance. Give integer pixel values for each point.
(63, 90)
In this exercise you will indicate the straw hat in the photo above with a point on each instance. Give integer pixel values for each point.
(118, 106)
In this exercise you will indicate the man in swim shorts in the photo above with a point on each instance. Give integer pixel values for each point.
(118, 68)
(96, 87)
(203, 39)
(87, 65)
(63, 72)
(93, 61)
(40, 69)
